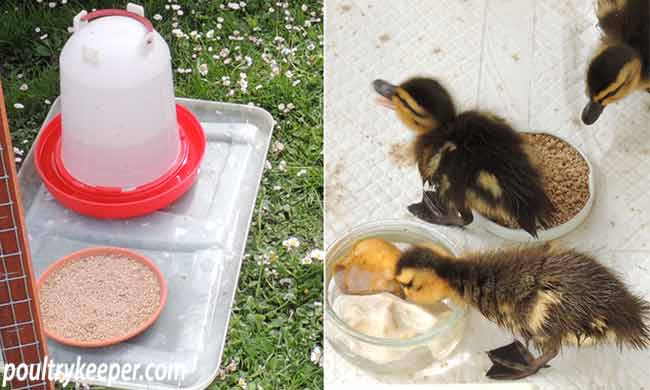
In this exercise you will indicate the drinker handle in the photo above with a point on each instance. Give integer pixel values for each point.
(119, 12)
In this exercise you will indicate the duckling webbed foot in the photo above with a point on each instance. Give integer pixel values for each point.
(514, 361)
(515, 356)
(434, 210)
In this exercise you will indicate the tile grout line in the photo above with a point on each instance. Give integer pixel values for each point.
(480, 67)
(531, 69)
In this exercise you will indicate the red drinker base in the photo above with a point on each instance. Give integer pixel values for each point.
(112, 203)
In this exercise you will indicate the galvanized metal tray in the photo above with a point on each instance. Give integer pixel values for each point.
(198, 243)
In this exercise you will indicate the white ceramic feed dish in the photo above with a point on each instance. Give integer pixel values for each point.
(521, 235)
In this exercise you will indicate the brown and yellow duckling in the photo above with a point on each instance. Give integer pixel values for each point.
(470, 160)
(622, 62)
(545, 294)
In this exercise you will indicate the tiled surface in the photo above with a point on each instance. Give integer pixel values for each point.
(525, 60)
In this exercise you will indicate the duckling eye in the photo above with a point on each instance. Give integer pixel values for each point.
(616, 90)
(407, 285)
(409, 108)
(418, 122)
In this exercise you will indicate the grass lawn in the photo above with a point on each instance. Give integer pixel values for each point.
(266, 53)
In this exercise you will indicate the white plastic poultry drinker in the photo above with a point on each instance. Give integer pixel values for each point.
(105, 151)
(117, 101)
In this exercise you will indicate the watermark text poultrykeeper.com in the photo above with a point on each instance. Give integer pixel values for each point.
(79, 371)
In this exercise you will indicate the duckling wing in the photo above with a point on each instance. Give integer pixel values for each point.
(490, 171)
(592, 304)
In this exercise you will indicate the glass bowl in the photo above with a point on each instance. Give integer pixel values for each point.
(384, 355)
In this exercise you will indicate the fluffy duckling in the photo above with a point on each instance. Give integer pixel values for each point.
(545, 294)
(622, 62)
(473, 160)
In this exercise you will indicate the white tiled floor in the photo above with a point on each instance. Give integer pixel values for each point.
(525, 60)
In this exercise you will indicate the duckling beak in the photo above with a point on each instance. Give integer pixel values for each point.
(592, 112)
(386, 92)
(384, 88)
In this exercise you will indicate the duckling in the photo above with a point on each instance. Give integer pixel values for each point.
(545, 294)
(471, 160)
(621, 64)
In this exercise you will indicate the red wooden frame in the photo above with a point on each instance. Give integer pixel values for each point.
(22, 339)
